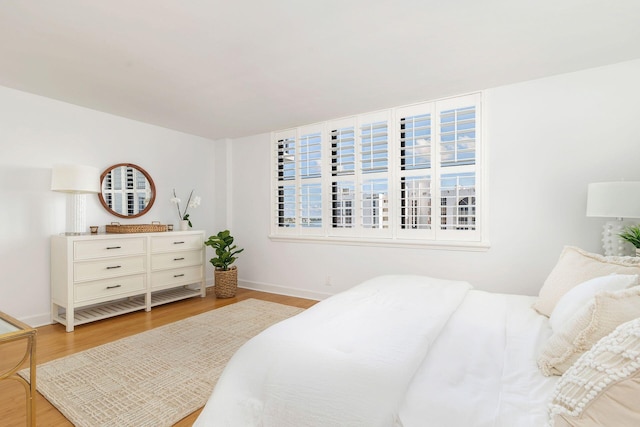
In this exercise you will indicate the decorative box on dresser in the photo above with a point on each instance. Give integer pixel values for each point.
(96, 276)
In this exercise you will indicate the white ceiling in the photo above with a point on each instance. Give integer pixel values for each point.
(242, 67)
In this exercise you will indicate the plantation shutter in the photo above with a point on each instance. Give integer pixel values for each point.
(458, 175)
(416, 154)
(310, 174)
(373, 177)
(285, 216)
(343, 171)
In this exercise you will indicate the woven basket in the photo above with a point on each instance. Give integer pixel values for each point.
(134, 228)
(226, 282)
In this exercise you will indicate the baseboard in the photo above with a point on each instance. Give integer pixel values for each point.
(37, 320)
(282, 290)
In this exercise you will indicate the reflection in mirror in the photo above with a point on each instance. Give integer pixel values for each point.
(127, 190)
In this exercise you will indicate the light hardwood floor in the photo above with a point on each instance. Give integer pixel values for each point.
(53, 342)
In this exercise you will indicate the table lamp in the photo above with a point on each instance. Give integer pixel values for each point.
(76, 181)
(618, 200)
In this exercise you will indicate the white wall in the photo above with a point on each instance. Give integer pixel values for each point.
(546, 139)
(36, 133)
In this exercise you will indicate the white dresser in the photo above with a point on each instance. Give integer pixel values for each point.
(98, 276)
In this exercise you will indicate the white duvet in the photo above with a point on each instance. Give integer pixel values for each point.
(393, 351)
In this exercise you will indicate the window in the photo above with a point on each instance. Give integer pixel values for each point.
(410, 174)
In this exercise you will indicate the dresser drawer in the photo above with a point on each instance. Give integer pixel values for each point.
(176, 243)
(91, 249)
(105, 268)
(178, 276)
(175, 260)
(107, 289)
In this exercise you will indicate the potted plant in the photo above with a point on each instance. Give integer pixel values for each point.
(632, 235)
(225, 275)
(192, 202)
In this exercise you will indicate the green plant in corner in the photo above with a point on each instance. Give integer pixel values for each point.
(225, 250)
(632, 235)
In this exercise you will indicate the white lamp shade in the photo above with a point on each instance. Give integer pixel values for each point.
(614, 199)
(75, 179)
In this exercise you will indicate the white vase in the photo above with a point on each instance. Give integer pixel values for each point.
(184, 225)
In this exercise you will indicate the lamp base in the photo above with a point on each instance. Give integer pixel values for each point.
(612, 243)
(76, 214)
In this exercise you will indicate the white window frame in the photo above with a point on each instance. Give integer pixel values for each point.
(393, 234)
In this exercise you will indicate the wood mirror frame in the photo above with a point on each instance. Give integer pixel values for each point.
(123, 191)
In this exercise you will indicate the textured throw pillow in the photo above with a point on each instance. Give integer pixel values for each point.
(601, 316)
(577, 297)
(576, 266)
(603, 387)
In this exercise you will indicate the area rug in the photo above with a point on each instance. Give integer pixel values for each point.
(157, 377)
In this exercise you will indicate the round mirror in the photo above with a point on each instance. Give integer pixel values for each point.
(127, 190)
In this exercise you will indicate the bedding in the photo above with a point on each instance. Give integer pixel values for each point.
(406, 351)
(482, 370)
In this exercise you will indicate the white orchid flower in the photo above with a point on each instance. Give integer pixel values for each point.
(192, 202)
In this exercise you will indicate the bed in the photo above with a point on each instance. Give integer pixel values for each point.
(404, 350)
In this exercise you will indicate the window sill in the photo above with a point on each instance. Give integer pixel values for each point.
(390, 243)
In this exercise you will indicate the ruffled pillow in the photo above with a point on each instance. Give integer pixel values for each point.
(605, 312)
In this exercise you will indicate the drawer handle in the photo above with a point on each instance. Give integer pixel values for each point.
(114, 247)
(178, 259)
(178, 275)
(114, 286)
(113, 266)
(178, 243)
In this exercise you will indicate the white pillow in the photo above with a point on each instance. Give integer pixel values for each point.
(577, 297)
